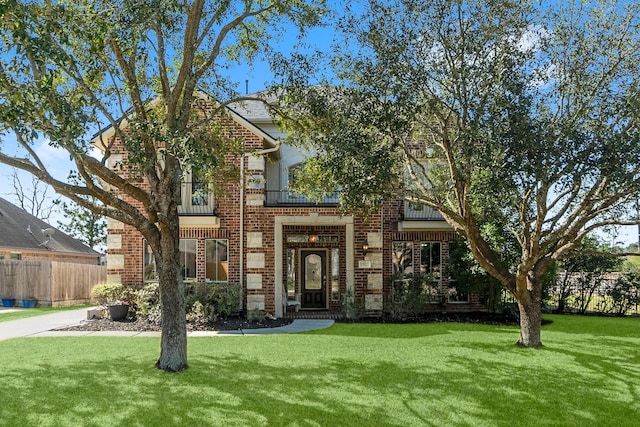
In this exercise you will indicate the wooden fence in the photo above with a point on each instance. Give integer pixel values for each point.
(52, 283)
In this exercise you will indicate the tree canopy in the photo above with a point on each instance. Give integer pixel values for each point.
(505, 116)
(69, 69)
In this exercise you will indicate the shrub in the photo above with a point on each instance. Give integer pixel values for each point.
(197, 314)
(409, 297)
(205, 302)
(215, 300)
(621, 295)
(107, 293)
(352, 307)
(147, 299)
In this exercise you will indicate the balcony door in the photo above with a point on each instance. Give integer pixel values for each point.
(314, 279)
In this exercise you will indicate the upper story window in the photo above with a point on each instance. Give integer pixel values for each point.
(199, 191)
(293, 172)
(195, 196)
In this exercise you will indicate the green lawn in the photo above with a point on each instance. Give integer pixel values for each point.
(587, 374)
(7, 315)
(633, 261)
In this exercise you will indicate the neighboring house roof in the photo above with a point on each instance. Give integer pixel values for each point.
(21, 231)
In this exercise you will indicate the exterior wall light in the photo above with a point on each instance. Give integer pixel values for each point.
(365, 247)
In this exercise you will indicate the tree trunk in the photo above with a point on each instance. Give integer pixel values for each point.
(173, 344)
(530, 305)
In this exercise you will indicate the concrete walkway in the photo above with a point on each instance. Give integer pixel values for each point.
(42, 326)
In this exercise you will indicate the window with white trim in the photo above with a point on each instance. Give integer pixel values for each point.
(150, 270)
(216, 255)
(431, 269)
(188, 259)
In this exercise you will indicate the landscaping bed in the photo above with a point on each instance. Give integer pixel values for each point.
(236, 322)
(142, 325)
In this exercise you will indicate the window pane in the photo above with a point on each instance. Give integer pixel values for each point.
(402, 258)
(216, 260)
(199, 192)
(150, 272)
(291, 273)
(335, 274)
(430, 259)
(313, 271)
(188, 258)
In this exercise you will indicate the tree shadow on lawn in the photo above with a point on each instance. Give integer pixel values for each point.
(465, 384)
(409, 330)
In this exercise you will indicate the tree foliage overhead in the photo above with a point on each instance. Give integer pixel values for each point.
(503, 115)
(70, 68)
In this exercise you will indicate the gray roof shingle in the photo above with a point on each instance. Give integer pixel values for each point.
(21, 230)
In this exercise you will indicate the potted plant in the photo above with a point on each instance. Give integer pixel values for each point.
(119, 310)
(29, 302)
(8, 302)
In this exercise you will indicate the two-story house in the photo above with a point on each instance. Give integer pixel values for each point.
(290, 253)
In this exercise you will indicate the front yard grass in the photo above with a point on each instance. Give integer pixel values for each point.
(440, 374)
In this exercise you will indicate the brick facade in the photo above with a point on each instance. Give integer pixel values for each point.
(261, 238)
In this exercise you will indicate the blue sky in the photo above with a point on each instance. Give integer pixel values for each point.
(254, 77)
(257, 77)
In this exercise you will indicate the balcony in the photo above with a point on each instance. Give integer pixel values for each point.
(288, 198)
(201, 210)
(197, 208)
(419, 218)
(195, 199)
(413, 212)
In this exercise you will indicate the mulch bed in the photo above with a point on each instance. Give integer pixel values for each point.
(142, 325)
(237, 323)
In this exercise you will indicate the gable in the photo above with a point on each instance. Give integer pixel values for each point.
(267, 139)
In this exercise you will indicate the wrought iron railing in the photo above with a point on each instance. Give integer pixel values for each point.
(195, 200)
(285, 197)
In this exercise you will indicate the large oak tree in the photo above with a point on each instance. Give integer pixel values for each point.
(69, 68)
(509, 117)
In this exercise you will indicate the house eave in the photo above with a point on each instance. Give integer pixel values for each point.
(49, 252)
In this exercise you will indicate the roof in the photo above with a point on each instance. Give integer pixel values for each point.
(254, 108)
(246, 120)
(19, 230)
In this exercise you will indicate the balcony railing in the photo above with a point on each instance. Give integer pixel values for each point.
(195, 201)
(197, 210)
(287, 198)
(413, 212)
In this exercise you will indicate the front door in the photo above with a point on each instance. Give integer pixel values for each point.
(314, 279)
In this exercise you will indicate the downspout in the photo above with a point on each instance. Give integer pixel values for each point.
(242, 201)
